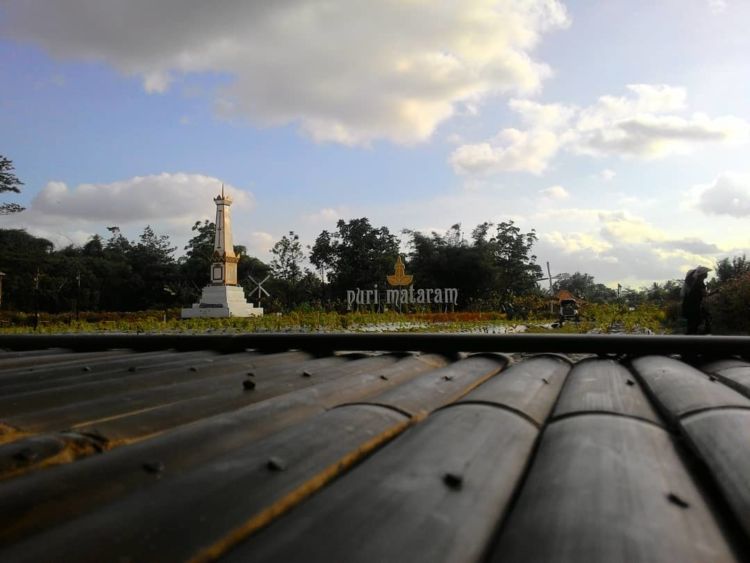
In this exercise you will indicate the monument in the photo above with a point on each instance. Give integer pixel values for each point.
(223, 297)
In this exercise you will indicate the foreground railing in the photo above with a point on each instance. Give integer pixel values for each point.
(440, 343)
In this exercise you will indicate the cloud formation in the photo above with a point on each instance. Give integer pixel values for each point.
(649, 123)
(348, 71)
(555, 193)
(170, 203)
(140, 199)
(729, 195)
(620, 247)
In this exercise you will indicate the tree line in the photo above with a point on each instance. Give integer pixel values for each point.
(492, 267)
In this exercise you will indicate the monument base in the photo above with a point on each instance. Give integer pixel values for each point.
(222, 301)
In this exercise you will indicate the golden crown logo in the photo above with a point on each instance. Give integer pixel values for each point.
(399, 276)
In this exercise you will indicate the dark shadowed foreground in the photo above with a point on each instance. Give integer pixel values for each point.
(374, 448)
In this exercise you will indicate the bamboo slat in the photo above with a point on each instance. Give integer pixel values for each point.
(245, 487)
(604, 385)
(436, 492)
(721, 438)
(681, 389)
(610, 488)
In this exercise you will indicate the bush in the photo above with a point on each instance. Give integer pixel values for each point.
(730, 306)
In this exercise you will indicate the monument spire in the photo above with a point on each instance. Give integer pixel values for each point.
(223, 297)
(224, 264)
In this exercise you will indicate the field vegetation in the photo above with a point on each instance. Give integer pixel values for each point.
(598, 318)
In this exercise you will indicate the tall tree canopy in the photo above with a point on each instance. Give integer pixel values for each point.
(356, 255)
(9, 182)
(488, 271)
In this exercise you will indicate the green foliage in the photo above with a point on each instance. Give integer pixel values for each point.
(729, 307)
(583, 285)
(287, 262)
(727, 269)
(9, 182)
(489, 272)
(621, 317)
(599, 318)
(286, 267)
(357, 255)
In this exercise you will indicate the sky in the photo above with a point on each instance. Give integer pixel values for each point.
(618, 130)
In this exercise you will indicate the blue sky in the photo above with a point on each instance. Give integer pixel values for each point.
(618, 130)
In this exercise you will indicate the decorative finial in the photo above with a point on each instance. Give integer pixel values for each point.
(222, 190)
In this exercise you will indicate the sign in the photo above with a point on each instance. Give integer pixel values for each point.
(401, 295)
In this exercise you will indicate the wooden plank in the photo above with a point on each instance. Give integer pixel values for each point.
(722, 439)
(73, 489)
(530, 387)
(681, 389)
(610, 488)
(604, 385)
(434, 494)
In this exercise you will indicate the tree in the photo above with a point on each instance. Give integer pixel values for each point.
(286, 267)
(288, 256)
(357, 255)
(727, 269)
(9, 183)
(583, 285)
(517, 270)
(22, 255)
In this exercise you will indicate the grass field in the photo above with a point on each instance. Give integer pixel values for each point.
(601, 318)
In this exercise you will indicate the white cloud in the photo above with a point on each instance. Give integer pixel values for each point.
(170, 203)
(555, 193)
(569, 243)
(729, 195)
(717, 6)
(621, 227)
(327, 215)
(645, 124)
(136, 200)
(625, 249)
(261, 242)
(512, 150)
(348, 71)
(606, 175)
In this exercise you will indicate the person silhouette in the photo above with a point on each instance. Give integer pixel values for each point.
(693, 293)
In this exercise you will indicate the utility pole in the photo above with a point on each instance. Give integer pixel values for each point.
(78, 293)
(36, 300)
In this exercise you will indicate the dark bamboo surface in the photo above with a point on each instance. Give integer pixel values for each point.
(368, 448)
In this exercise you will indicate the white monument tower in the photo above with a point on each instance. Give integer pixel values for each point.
(223, 297)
